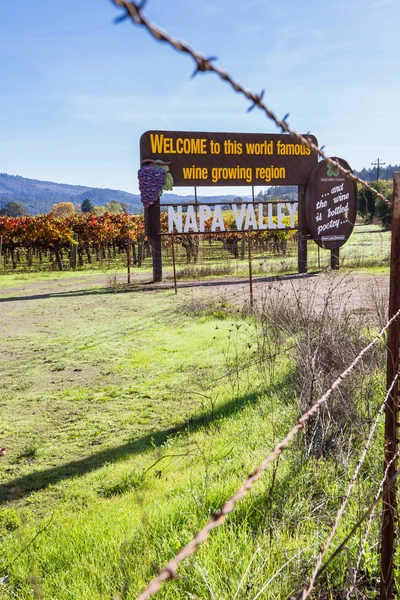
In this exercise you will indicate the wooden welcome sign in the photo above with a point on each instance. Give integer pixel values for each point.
(215, 159)
(326, 207)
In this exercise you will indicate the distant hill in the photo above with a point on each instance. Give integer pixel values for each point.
(38, 196)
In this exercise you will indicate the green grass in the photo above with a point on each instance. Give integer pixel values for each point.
(122, 438)
(366, 249)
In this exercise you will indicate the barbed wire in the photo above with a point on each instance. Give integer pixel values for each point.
(170, 570)
(360, 521)
(204, 64)
(370, 519)
(307, 591)
(133, 10)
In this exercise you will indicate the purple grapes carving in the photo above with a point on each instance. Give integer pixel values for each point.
(151, 183)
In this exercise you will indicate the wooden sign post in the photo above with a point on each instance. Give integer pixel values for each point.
(152, 231)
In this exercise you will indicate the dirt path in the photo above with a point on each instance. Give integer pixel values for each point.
(351, 291)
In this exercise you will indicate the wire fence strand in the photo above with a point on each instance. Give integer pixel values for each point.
(133, 10)
(369, 523)
(367, 514)
(309, 588)
(171, 569)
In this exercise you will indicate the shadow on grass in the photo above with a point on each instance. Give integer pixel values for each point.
(150, 287)
(21, 486)
(73, 293)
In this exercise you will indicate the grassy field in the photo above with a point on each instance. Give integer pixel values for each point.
(367, 249)
(130, 416)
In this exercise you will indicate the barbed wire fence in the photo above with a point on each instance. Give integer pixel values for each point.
(134, 12)
(369, 523)
(171, 569)
(309, 588)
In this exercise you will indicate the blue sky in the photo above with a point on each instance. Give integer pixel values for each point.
(77, 91)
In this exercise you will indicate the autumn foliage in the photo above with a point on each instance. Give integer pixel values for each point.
(63, 209)
(101, 237)
(47, 233)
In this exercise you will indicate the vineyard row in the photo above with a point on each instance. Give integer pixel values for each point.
(84, 238)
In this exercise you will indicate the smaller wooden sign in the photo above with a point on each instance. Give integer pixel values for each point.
(331, 205)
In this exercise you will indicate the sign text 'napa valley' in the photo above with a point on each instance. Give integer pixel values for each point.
(201, 218)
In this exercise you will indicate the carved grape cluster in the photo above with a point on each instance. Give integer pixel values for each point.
(151, 183)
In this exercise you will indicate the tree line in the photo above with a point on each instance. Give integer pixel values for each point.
(66, 209)
(385, 172)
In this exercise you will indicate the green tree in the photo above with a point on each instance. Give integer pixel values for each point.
(99, 210)
(114, 207)
(383, 209)
(13, 209)
(371, 207)
(87, 206)
(366, 203)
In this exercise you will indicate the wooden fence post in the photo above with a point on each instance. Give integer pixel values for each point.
(391, 415)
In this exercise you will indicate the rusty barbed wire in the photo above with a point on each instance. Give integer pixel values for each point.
(360, 521)
(133, 10)
(370, 519)
(171, 569)
(309, 588)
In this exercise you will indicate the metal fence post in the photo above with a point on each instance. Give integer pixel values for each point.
(173, 262)
(243, 246)
(250, 270)
(301, 234)
(391, 428)
(128, 257)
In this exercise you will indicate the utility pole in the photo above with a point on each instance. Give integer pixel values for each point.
(377, 164)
